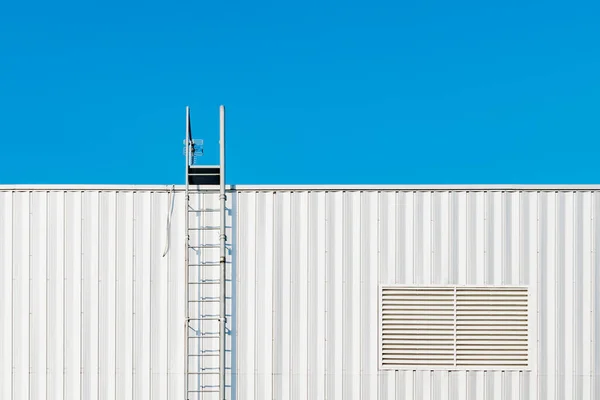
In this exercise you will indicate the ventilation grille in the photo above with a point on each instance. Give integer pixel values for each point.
(454, 327)
(417, 326)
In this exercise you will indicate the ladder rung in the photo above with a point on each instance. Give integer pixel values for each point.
(204, 319)
(205, 228)
(207, 298)
(203, 391)
(205, 246)
(206, 264)
(204, 355)
(204, 282)
(204, 301)
(204, 386)
(204, 210)
(204, 337)
(207, 369)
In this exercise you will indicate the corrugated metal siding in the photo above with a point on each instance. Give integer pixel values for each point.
(90, 309)
(310, 265)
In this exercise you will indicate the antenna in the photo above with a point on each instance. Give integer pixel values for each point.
(194, 146)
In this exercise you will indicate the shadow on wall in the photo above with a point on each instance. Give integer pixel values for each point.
(232, 321)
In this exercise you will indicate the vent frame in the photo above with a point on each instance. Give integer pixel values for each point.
(526, 296)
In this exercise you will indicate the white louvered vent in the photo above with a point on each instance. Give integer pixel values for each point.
(454, 327)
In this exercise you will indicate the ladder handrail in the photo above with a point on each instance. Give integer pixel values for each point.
(223, 255)
(188, 135)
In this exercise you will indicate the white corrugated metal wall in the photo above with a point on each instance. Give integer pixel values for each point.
(90, 309)
(310, 265)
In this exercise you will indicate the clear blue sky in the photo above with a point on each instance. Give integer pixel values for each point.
(316, 91)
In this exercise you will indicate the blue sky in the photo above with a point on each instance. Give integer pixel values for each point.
(316, 91)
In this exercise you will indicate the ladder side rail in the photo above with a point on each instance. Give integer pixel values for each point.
(223, 254)
(187, 243)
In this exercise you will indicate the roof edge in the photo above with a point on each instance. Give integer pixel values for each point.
(425, 187)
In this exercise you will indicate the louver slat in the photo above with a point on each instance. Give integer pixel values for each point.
(454, 327)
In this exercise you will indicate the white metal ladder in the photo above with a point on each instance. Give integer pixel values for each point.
(205, 274)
